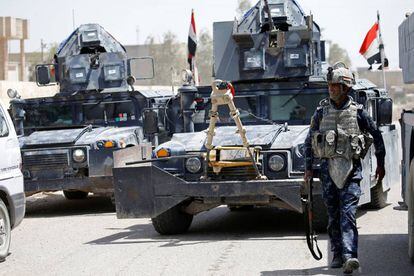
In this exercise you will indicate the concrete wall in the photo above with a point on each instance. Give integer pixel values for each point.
(31, 90)
(25, 89)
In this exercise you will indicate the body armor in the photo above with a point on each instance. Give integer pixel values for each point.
(340, 140)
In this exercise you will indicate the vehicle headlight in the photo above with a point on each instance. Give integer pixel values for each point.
(79, 155)
(276, 162)
(193, 164)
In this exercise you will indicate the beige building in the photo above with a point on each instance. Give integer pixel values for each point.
(12, 29)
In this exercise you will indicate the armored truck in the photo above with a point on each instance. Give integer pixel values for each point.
(406, 47)
(67, 140)
(273, 59)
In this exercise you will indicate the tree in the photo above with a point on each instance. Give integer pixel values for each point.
(242, 7)
(169, 58)
(336, 53)
(204, 57)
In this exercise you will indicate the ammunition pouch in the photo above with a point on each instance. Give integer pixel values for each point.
(331, 144)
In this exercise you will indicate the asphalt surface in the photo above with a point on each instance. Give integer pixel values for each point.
(61, 237)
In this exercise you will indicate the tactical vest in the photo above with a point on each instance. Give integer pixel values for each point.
(339, 134)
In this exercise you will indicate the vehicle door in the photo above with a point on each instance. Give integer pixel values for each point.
(9, 148)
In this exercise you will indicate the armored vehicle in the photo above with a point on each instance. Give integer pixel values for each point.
(273, 58)
(406, 45)
(67, 140)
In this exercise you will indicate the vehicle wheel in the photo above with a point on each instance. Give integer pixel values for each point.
(235, 208)
(5, 231)
(75, 194)
(410, 201)
(172, 222)
(320, 214)
(378, 197)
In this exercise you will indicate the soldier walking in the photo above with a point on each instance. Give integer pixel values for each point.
(340, 134)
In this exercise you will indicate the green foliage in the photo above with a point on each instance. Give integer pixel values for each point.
(204, 57)
(336, 53)
(242, 7)
(170, 58)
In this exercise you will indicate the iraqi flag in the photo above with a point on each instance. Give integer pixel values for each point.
(372, 46)
(192, 42)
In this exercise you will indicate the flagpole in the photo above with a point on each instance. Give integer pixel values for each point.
(382, 52)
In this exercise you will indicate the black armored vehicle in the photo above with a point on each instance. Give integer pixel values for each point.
(406, 47)
(68, 140)
(273, 58)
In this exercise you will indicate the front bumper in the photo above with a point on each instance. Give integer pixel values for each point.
(148, 191)
(103, 184)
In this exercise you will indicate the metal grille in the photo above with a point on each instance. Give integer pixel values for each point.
(46, 160)
(236, 173)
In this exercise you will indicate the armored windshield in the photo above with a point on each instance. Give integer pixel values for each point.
(108, 112)
(296, 108)
(48, 115)
(293, 108)
(62, 114)
(248, 107)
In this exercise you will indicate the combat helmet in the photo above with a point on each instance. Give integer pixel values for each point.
(339, 73)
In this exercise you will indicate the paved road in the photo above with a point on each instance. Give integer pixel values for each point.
(84, 237)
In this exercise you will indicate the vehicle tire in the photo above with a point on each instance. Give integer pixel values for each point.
(173, 221)
(320, 215)
(410, 202)
(237, 208)
(378, 197)
(5, 231)
(72, 195)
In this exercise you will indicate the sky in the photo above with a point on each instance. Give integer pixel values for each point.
(131, 21)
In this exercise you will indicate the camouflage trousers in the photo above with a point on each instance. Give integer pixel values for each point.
(342, 205)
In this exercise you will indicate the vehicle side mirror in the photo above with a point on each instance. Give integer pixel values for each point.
(141, 68)
(384, 114)
(45, 74)
(323, 51)
(150, 122)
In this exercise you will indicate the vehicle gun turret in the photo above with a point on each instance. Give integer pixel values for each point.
(91, 59)
(273, 40)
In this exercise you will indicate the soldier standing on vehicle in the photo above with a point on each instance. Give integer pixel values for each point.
(340, 134)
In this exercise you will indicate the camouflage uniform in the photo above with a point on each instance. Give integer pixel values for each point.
(342, 202)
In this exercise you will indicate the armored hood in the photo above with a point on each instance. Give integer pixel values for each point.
(263, 136)
(78, 136)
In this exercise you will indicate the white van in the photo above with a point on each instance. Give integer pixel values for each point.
(12, 199)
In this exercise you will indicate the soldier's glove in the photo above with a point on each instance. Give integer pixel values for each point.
(308, 175)
(380, 173)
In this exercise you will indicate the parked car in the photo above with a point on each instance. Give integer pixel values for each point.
(12, 198)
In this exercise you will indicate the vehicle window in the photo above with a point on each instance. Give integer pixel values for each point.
(294, 108)
(110, 112)
(48, 115)
(246, 106)
(4, 130)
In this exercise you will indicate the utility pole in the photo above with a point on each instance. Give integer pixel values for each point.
(137, 33)
(42, 47)
(73, 19)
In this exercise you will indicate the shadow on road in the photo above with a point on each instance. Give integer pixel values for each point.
(217, 225)
(56, 205)
(378, 254)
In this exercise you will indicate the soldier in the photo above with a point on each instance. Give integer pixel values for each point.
(340, 134)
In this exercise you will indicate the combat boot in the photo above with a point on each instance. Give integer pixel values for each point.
(337, 261)
(350, 265)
